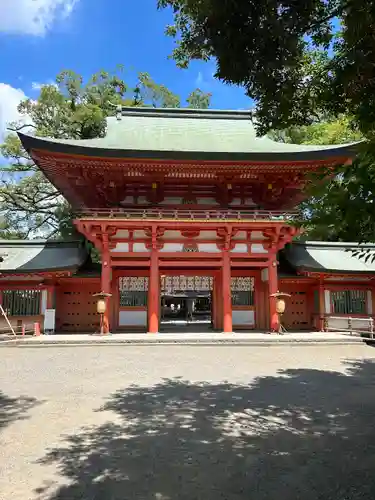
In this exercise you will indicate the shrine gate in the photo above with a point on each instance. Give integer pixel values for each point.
(188, 209)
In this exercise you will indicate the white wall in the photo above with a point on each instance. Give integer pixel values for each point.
(240, 248)
(121, 247)
(258, 248)
(243, 318)
(139, 247)
(43, 305)
(172, 247)
(208, 247)
(132, 318)
(327, 302)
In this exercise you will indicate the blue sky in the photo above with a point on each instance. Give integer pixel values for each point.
(39, 38)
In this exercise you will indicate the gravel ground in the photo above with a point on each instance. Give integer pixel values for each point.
(180, 422)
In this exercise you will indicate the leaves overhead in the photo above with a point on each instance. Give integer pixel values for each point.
(297, 60)
(342, 207)
(68, 109)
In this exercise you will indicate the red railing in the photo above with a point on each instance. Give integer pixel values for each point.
(166, 213)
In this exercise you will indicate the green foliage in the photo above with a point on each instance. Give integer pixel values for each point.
(342, 208)
(287, 55)
(199, 100)
(69, 109)
(327, 132)
(158, 96)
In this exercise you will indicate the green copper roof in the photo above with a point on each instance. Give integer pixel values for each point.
(33, 256)
(328, 257)
(186, 134)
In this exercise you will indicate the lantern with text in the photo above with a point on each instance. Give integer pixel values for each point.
(280, 308)
(101, 308)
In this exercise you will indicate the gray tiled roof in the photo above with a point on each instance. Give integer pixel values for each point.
(326, 256)
(186, 133)
(36, 256)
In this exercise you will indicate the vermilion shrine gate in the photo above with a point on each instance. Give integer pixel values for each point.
(184, 206)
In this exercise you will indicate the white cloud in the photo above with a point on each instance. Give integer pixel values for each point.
(39, 85)
(199, 79)
(33, 17)
(205, 81)
(10, 97)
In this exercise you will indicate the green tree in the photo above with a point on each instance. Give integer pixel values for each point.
(339, 209)
(72, 109)
(199, 99)
(326, 132)
(290, 56)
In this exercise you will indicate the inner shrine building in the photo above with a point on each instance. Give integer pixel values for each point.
(190, 212)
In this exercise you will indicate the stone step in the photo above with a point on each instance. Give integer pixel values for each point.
(182, 339)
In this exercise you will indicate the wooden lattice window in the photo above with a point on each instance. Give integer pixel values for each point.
(133, 291)
(180, 283)
(133, 284)
(22, 302)
(348, 302)
(242, 291)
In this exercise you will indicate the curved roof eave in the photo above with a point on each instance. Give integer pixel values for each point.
(33, 257)
(264, 152)
(321, 257)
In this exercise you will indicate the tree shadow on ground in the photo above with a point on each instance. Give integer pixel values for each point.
(302, 434)
(12, 409)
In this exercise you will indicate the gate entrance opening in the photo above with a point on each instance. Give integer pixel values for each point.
(186, 300)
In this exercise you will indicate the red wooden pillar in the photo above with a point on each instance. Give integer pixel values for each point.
(227, 293)
(273, 288)
(50, 297)
(153, 293)
(214, 304)
(321, 305)
(106, 280)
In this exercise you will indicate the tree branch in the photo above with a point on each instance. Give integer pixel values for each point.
(21, 127)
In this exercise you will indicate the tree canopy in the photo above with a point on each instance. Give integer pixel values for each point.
(297, 60)
(70, 108)
(340, 208)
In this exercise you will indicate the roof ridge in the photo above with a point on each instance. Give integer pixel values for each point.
(345, 244)
(209, 113)
(38, 242)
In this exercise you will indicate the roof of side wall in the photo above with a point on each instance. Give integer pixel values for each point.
(186, 134)
(35, 256)
(325, 257)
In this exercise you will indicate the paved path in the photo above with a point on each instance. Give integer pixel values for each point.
(187, 422)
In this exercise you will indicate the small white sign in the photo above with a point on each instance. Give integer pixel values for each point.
(49, 320)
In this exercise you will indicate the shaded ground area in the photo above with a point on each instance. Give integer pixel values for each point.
(12, 409)
(199, 423)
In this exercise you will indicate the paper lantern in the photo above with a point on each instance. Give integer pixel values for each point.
(280, 306)
(101, 306)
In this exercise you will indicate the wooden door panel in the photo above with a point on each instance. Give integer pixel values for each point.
(296, 315)
(76, 309)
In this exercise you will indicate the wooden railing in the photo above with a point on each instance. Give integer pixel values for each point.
(349, 324)
(167, 213)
